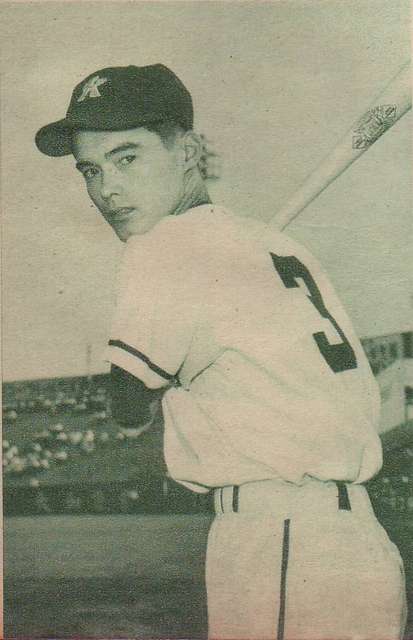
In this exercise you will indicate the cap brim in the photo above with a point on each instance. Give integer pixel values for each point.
(55, 139)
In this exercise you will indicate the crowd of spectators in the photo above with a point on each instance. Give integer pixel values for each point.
(30, 486)
(29, 462)
(382, 353)
(393, 493)
(150, 495)
(57, 445)
(53, 431)
(76, 401)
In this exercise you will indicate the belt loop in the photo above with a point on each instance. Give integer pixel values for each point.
(218, 501)
(221, 499)
(235, 498)
(226, 499)
(343, 497)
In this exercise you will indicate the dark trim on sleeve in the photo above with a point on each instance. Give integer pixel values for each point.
(161, 372)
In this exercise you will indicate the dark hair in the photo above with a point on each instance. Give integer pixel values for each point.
(167, 130)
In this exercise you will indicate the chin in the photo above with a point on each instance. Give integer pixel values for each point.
(138, 228)
(123, 234)
(125, 231)
(135, 227)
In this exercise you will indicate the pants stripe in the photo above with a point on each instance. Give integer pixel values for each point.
(283, 584)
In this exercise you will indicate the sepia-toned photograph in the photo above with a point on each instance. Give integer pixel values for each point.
(207, 319)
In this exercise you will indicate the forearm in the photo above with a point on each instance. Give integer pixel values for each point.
(132, 401)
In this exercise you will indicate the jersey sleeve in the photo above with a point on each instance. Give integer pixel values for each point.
(156, 313)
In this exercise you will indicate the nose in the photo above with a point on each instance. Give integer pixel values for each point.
(110, 184)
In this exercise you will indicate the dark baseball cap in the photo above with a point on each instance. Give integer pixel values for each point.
(119, 98)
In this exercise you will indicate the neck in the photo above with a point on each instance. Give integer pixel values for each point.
(195, 192)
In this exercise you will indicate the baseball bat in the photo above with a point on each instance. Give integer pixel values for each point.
(388, 107)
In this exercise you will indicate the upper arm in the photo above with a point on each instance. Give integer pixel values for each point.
(156, 316)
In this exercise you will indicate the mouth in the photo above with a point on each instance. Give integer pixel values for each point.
(122, 214)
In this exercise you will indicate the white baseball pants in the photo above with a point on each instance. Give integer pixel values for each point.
(311, 562)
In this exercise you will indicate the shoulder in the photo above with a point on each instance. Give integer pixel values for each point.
(196, 226)
(203, 239)
(204, 229)
(174, 250)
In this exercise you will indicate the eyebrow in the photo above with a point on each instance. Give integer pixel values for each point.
(128, 146)
(123, 147)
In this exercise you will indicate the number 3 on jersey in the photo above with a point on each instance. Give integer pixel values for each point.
(339, 357)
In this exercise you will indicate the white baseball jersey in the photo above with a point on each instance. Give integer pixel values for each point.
(265, 376)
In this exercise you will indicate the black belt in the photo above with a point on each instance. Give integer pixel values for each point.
(343, 499)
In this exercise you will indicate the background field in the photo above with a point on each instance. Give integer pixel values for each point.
(116, 576)
(139, 575)
(105, 577)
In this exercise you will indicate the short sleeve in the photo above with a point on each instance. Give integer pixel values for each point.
(156, 313)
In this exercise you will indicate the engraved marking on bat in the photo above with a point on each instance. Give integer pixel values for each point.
(373, 124)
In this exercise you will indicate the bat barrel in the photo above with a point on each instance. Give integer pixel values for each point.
(388, 107)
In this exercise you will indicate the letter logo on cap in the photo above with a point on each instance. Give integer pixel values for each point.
(91, 88)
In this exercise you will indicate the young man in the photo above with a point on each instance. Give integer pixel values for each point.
(268, 398)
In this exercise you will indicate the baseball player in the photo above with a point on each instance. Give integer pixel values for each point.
(268, 400)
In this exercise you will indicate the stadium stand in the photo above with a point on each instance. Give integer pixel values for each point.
(64, 453)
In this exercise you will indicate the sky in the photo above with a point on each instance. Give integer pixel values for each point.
(275, 85)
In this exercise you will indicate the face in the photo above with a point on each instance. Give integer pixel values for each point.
(131, 177)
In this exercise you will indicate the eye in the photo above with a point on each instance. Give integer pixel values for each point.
(90, 172)
(126, 160)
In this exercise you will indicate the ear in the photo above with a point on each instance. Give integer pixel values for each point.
(193, 146)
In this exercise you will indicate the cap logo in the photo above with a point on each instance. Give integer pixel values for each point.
(91, 88)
